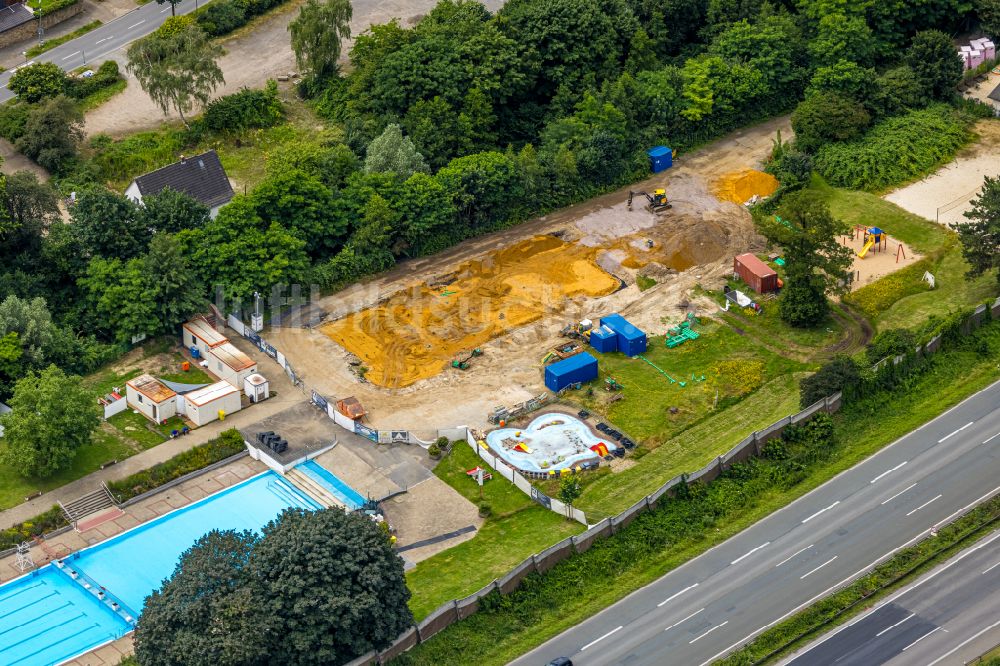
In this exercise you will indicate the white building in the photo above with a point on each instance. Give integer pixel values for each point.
(151, 398)
(200, 177)
(230, 364)
(199, 333)
(211, 402)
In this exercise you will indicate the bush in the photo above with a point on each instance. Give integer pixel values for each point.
(106, 75)
(892, 342)
(434, 451)
(41, 524)
(832, 377)
(895, 150)
(13, 117)
(246, 109)
(485, 510)
(229, 443)
(826, 116)
(220, 17)
(37, 82)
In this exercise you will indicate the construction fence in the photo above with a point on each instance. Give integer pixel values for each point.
(458, 609)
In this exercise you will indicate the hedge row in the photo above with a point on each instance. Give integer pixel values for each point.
(221, 17)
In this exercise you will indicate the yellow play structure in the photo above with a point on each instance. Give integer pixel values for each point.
(874, 237)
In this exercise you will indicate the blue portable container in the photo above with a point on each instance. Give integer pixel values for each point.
(604, 340)
(579, 368)
(631, 340)
(195, 352)
(661, 158)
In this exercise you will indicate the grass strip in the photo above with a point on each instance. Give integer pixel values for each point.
(886, 578)
(59, 41)
(685, 527)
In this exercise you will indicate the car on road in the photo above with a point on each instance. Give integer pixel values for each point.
(560, 661)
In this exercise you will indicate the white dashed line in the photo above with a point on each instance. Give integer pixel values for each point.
(992, 438)
(684, 620)
(674, 596)
(594, 642)
(963, 644)
(718, 626)
(821, 511)
(992, 568)
(75, 53)
(921, 638)
(956, 431)
(888, 471)
(893, 626)
(818, 568)
(136, 25)
(793, 555)
(909, 487)
(754, 550)
(105, 39)
(923, 505)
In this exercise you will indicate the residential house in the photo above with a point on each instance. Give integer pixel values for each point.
(200, 177)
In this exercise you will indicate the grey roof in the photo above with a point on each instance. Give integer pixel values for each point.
(200, 177)
(13, 16)
(995, 95)
(181, 389)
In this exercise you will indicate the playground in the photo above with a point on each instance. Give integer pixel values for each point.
(553, 442)
(876, 254)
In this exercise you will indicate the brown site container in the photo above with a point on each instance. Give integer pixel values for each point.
(755, 273)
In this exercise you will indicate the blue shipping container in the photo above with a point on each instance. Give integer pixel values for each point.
(604, 340)
(579, 368)
(661, 158)
(631, 340)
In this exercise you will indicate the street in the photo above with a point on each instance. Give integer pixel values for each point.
(719, 601)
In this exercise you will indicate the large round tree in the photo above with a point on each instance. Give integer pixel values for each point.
(316, 588)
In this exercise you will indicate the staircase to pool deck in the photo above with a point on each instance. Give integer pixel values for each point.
(91, 509)
(315, 492)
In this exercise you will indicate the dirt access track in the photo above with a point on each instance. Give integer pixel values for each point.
(511, 292)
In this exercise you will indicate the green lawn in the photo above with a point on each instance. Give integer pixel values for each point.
(518, 528)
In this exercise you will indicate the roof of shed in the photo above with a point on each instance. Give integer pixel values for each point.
(755, 265)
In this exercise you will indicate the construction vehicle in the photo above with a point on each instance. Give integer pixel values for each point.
(463, 363)
(657, 201)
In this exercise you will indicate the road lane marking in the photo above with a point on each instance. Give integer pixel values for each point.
(893, 626)
(992, 568)
(956, 431)
(923, 505)
(105, 39)
(888, 471)
(921, 638)
(718, 626)
(754, 550)
(71, 55)
(819, 567)
(136, 25)
(594, 642)
(163, 11)
(909, 487)
(968, 506)
(674, 596)
(992, 438)
(963, 644)
(821, 511)
(684, 620)
(793, 555)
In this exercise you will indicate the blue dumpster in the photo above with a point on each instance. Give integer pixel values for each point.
(661, 158)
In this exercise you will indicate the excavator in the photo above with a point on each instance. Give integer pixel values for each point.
(657, 200)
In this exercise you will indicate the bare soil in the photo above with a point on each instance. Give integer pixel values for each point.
(878, 261)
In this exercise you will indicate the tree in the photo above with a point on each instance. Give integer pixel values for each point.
(173, 6)
(844, 78)
(569, 491)
(37, 82)
(115, 291)
(171, 211)
(172, 290)
(176, 70)
(815, 262)
(933, 58)
(32, 322)
(826, 117)
(318, 33)
(837, 374)
(840, 37)
(641, 53)
(317, 588)
(392, 151)
(304, 206)
(897, 90)
(989, 17)
(109, 224)
(52, 416)
(428, 209)
(52, 134)
(980, 236)
(891, 342)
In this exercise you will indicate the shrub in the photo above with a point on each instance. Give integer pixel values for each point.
(246, 109)
(827, 116)
(832, 377)
(892, 342)
(485, 510)
(13, 117)
(220, 17)
(41, 524)
(106, 75)
(895, 150)
(434, 451)
(37, 82)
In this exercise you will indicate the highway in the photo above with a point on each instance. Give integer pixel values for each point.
(948, 616)
(95, 46)
(717, 602)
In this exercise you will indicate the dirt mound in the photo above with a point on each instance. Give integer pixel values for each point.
(417, 332)
(741, 186)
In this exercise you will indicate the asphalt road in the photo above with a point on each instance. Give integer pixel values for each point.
(97, 44)
(948, 616)
(715, 603)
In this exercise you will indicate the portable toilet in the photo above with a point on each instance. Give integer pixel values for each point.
(661, 158)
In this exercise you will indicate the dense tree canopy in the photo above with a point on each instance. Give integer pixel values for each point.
(981, 234)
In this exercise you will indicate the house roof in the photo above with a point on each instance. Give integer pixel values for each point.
(210, 393)
(201, 177)
(201, 329)
(236, 360)
(995, 95)
(152, 388)
(14, 15)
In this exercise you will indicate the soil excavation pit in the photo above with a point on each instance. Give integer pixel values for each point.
(416, 333)
(741, 186)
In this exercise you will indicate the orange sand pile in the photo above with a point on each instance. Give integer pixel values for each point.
(740, 186)
(416, 333)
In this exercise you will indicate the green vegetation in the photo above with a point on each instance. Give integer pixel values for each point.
(661, 540)
(516, 529)
(43, 523)
(224, 16)
(644, 282)
(49, 6)
(137, 428)
(58, 41)
(903, 568)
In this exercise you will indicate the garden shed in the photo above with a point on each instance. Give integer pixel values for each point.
(761, 277)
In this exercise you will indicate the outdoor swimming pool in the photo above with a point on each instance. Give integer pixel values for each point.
(351, 498)
(552, 441)
(48, 617)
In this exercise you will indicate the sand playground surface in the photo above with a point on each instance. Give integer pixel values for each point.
(880, 260)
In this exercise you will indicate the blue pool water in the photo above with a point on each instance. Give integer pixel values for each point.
(47, 617)
(351, 498)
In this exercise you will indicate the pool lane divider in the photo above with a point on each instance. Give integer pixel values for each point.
(98, 592)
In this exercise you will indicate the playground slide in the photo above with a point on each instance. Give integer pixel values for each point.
(864, 250)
